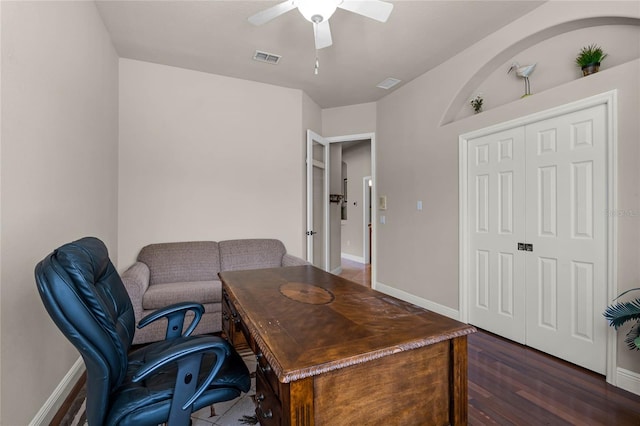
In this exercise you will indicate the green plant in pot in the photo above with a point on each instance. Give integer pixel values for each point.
(589, 59)
(622, 312)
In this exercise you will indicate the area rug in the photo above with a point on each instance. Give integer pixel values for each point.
(237, 412)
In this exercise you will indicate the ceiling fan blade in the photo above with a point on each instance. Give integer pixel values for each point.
(374, 9)
(273, 12)
(323, 34)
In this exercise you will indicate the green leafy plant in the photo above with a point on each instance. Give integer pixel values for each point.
(622, 312)
(592, 54)
(476, 103)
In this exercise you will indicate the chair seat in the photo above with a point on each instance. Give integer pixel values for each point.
(148, 402)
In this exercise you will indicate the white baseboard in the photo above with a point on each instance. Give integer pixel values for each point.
(337, 271)
(48, 411)
(628, 380)
(352, 257)
(424, 303)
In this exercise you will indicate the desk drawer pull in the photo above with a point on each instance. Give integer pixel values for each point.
(267, 414)
(265, 369)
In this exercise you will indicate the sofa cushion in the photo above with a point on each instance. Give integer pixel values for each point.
(161, 295)
(250, 254)
(180, 262)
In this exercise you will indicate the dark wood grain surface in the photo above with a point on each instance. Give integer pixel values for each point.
(511, 384)
(312, 322)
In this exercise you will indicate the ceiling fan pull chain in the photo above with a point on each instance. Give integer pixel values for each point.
(315, 35)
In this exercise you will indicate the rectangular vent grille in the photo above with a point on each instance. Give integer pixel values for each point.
(388, 83)
(269, 58)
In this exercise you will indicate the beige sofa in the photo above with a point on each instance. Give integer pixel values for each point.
(169, 273)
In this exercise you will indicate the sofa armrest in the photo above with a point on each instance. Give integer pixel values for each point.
(289, 260)
(136, 281)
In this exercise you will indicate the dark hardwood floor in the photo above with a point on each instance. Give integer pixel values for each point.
(511, 384)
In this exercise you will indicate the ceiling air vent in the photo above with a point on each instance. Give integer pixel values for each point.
(269, 58)
(388, 83)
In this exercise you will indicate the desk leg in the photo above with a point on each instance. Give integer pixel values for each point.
(301, 403)
(459, 381)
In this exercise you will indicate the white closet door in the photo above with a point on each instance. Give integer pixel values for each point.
(566, 223)
(496, 224)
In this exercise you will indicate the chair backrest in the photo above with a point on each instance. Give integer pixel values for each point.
(85, 297)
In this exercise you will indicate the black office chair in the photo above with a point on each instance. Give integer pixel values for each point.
(163, 382)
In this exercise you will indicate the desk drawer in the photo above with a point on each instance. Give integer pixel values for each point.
(264, 369)
(268, 406)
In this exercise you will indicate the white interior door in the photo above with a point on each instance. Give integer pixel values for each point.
(542, 184)
(566, 225)
(496, 225)
(318, 168)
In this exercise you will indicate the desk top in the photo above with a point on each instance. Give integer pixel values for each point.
(307, 321)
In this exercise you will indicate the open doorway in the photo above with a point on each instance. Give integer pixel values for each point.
(353, 245)
(336, 198)
(359, 270)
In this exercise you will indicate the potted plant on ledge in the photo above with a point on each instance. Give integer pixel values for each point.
(589, 59)
(621, 312)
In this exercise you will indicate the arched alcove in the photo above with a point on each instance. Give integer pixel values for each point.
(499, 64)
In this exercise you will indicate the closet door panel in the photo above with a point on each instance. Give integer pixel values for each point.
(496, 225)
(565, 207)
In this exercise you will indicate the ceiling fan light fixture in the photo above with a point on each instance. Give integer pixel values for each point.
(317, 11)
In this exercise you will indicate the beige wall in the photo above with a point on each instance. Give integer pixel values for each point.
(349, 120)
(358, 160)
(203, 156)
(58, 174)
(419, 124)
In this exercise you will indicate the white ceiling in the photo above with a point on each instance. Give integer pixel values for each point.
(214, 36)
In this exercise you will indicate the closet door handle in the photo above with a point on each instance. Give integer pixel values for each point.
(525, 247)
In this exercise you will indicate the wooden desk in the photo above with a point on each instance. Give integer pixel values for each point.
(332, 352)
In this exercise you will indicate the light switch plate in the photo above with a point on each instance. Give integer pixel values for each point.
(382, 202)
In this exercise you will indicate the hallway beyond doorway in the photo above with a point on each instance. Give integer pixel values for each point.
(357, 272)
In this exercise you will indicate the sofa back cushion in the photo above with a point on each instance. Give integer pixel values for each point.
(250, 254)
(180, 262)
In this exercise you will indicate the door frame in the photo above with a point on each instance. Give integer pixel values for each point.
(374, 214)
(366, 202)
(610, 100)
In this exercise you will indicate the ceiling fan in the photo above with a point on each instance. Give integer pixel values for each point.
(318, 13)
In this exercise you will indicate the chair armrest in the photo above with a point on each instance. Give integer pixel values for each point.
(136, 281)
(290, 260)
(188, 355)
(175, 318)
